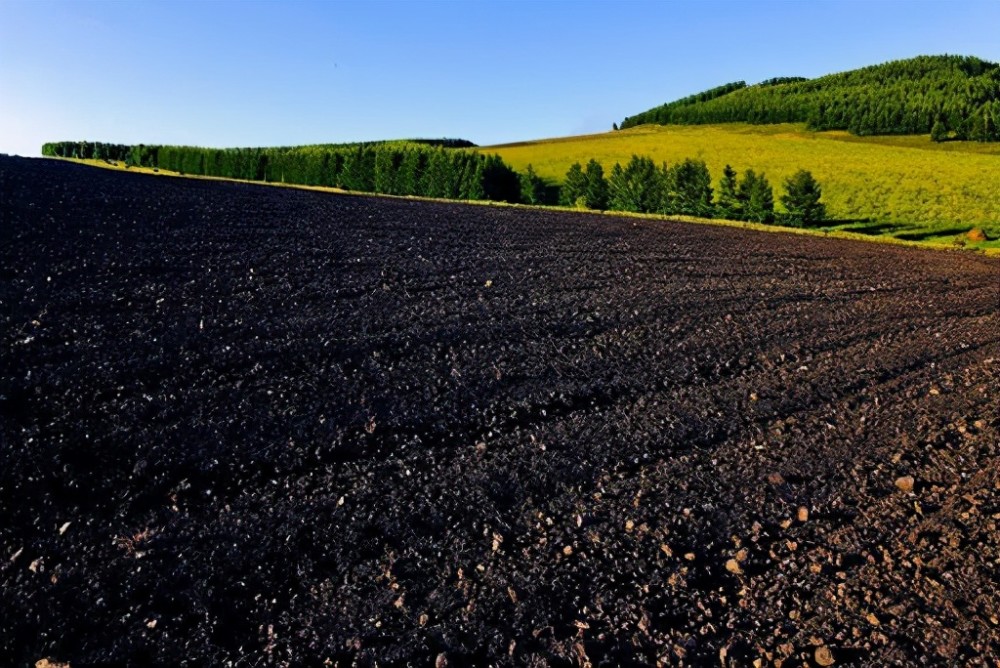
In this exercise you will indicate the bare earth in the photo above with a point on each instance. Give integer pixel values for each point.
(255, 426)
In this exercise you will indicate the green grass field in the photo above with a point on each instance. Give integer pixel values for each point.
(904, 187)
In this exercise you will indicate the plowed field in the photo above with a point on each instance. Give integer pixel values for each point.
(254, 426)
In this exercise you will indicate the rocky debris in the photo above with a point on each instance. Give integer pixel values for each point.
(358, 453)
(823, 656)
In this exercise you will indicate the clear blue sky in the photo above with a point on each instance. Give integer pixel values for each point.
(264, 73)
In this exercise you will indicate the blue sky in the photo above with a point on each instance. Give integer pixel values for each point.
(265, 73)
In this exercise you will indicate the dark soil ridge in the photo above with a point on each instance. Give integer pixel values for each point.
(256, 426)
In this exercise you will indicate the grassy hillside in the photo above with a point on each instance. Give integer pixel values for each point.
(905, 186)
(957, 96)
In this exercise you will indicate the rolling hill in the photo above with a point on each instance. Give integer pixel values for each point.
(951, 96)
(907, 187)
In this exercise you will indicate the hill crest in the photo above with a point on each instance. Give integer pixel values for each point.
(949, 96)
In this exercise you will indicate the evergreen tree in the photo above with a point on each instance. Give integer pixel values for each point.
(596, 195)
(385, 172)
(532, 187)
(574, 187)
(500, 182)
(410, 174)
(688, 189)
(637, 187)
(801, 200)
(756, 198)
(475, 186)
(728, 206)
(359, 170)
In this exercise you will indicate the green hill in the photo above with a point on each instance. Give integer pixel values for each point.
(948, 96)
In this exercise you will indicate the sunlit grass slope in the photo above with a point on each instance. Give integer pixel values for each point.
(924, 190)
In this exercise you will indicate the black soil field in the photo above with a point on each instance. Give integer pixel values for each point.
(255, 426)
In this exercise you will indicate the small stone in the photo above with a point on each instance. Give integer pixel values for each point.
(568, 550)
(873, 620)
(666, 550)
(734, 567)
(48, 663)
(905, 483)
(776, 478)
(629, 525)
(423, 619)
(441, 661)
(823, 656)
(64, 527)
(151, 624)
(803, 514)
(690, 556)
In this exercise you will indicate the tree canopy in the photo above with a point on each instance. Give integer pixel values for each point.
(961, 93)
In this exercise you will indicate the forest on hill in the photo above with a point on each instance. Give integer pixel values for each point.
(951, 97)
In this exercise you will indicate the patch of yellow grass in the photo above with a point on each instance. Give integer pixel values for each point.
(906, 180)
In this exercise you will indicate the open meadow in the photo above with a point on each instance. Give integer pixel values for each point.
(246, 425)
(907, 187)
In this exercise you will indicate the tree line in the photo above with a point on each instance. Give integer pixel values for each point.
(392, 168)
(952, 97)
(408, 168)
(686, 189)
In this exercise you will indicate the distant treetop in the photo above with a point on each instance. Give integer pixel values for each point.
(959, 94)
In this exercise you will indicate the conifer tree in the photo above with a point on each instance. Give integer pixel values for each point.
(756, 198)
(801, 200)
(500, 182)
(596, 195)
(574, 187)
(532, 187)
(728, 206)
(636, 187)
(688, 189)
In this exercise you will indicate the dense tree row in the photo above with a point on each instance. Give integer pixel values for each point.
(408, 168)
(955, 96)
(395, 168)
(686, 189)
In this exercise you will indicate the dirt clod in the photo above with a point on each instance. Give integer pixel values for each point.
(823, 656)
